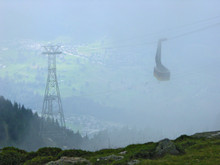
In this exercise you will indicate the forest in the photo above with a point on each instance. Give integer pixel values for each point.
(20, 127)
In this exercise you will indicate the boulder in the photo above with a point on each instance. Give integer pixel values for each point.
(166, 147)
(69, 161)
(133, 162)
(123, 152)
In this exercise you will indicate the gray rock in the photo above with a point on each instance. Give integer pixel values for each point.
(114, 157)
(133, 162)
(69, 161)
(166, 147)
(123, 152)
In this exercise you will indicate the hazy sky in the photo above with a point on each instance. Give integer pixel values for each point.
(91, 19)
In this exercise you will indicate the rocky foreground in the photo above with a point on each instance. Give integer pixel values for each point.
(200, 148)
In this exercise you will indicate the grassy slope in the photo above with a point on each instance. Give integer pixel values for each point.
(194, 151)
(197, 151)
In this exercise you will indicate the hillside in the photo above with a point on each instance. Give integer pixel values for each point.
(20, 127)
(198, 149)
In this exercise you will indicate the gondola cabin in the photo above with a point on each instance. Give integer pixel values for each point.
(160, 71)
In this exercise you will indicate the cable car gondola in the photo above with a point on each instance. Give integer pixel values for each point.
(160, 71)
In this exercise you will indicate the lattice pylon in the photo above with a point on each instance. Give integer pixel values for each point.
(52, 104)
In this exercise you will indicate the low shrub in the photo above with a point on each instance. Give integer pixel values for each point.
(12, 157)
(183, 137)
(31, 155)
(49, 151)
(40, 160)
(144, 154)
(73, 153)
(13, 149)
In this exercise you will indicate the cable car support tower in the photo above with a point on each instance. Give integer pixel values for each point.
(52, 105)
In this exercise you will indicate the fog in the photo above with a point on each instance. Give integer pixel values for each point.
(106, 70)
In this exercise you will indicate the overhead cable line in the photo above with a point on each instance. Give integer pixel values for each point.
(170, 38)
(194, 31)
(174, 28)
